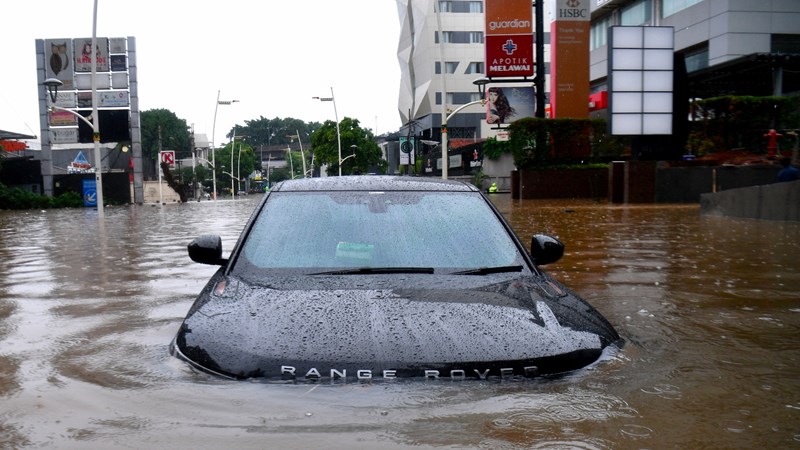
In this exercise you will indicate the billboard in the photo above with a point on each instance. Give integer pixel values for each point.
(509, 38)
(83, 54)
(507, 103)
(70, 60)
(569, 59)
(58, 61)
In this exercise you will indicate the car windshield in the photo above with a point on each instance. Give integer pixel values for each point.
(317, 231)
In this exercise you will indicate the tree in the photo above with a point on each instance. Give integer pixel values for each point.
(275, 131)
(355, 141)
(162, 127)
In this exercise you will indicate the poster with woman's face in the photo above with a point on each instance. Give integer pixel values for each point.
(505, 104)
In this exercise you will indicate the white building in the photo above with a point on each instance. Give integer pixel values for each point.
(441, 50)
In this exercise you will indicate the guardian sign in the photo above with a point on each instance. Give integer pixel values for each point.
(509, 38)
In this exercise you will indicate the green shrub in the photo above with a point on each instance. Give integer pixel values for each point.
(16, 199)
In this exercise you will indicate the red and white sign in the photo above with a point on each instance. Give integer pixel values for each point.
(509, 38)
(168, 157)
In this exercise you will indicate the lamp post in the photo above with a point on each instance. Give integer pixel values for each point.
(338, 134)
(353, 147)
(214, 145)
(233, 144)
(481, 83)
(52, 85)
(302, 154)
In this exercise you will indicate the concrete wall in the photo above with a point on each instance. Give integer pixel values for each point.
(152, 195)
(639, 181)
(777, 201)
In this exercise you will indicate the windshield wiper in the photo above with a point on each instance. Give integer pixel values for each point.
(488, 270)
(376, 270)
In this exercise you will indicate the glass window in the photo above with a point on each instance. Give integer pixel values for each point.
(451, 66)
(637, 13)
(462, 98)
(461, 6)
(696, 59)
(599, 33)
(475, 67)
(462, 37)
(313, 230)
(670, 7)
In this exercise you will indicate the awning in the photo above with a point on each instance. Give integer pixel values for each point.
(11, 135)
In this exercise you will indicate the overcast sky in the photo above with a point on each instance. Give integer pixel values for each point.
(272, 56)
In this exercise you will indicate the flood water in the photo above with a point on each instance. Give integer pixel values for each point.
(709, 308)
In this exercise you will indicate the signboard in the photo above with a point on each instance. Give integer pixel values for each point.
(63, 100)
(509, 38)
(12, 146)
(84, 54)
(89, 192)
(640, 75)
(569, 59)
(63, 135)
(406, 150)
(61, 118)
(168, 157)
(507, 103)
(58, 61)
(113, 98)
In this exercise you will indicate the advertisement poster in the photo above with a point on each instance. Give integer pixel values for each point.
(58, 61)
(507, 103)
(83, 54)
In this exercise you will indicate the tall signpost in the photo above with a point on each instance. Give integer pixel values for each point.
(569, 59)
(509, 38)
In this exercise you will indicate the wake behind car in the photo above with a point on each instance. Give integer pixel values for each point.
(380, 277)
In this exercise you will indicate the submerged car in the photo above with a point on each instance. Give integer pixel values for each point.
(380, 277)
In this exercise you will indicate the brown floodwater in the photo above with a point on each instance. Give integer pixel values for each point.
(709, 308)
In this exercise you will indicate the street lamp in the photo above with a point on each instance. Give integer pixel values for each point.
(52, 85)
(354, 147)
(338, 134)
(214, 145)
(481, 83)
(233, 145)
(302, 154)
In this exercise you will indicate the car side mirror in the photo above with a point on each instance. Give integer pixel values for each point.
(546, 249)
(206, 249)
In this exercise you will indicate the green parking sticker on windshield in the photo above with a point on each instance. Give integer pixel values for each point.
(354, 250)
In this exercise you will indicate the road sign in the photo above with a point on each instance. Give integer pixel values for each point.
(168, 157)
(90, 192)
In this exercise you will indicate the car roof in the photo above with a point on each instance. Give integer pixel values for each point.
(372, 183)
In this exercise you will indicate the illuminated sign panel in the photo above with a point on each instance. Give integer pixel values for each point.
(640, 79)
(509, 38)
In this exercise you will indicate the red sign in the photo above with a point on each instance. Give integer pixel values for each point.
(509, 38)
(168, 157)
(12, 146)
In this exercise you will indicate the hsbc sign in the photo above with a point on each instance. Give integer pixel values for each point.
(566, 10)
(509, 38)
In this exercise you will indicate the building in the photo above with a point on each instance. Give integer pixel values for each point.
(728, 47)
(441, 53)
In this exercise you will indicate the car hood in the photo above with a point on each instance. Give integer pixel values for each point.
(301, 328)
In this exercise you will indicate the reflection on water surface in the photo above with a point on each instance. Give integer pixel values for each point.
(709, 308)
